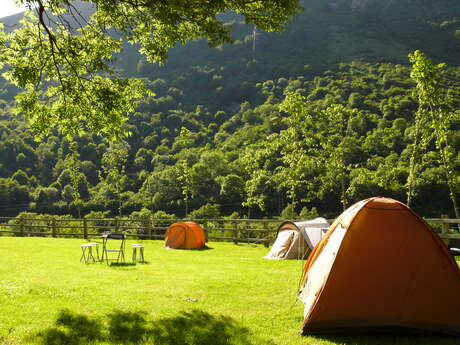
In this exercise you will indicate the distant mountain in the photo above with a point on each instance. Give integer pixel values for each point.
(12, 21)
(325, 34)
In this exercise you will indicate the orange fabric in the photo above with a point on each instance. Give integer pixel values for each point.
(185, 235)
(391, 271)
(343, 219)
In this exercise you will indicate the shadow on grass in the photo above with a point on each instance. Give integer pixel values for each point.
(390, 339)
(122, 264)
(71, 329)
(191, 249)
(188, 328)
(201, 249)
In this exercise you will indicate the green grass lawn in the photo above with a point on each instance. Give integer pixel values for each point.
(224, 295)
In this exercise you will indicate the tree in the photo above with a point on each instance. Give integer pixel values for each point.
(206, 211)
(21, 177)
(61, 55)
(434, 107)
(184, 139)
(46, 196)
(317, 149)
(113, 166)
(231, 187)
(259, 177)
(299, 145)
(337, 145)
(13, 193)
(184, 180)
(77, 178)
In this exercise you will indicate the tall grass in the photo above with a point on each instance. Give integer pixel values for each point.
(226, 294)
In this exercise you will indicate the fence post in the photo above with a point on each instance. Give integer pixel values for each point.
(85, 229)
(444, 226)
(247, 226)
(266, 235)
(205, 228)
(152, 224)
(235, 232)
(53, 227)
(21, 226)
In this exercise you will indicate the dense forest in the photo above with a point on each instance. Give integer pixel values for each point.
(293, 124)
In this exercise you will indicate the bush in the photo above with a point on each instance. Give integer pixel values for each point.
(206, 211)
(308, 214)
(288, 213)
(43, 223)
(100, 224)
(140, 220)
(163, 215)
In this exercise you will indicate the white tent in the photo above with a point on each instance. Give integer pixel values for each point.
(295, 240)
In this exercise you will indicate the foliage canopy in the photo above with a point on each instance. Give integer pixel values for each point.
(61, 56)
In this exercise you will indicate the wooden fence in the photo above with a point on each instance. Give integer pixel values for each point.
(262, 231)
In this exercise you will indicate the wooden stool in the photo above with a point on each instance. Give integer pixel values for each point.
(141, 252)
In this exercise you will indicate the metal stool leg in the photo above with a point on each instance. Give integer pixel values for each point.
(141, 254)
(90, 253)
(83, 256)
(86, 253)
(134, 254)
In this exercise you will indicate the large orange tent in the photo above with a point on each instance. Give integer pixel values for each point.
(185, 235)
(380, 267)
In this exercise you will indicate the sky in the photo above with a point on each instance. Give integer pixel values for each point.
(8, 8)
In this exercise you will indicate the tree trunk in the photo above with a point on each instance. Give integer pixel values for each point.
(413, 163)
(186, 207)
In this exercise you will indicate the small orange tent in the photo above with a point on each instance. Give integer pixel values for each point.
(185, 235)
(380, 267)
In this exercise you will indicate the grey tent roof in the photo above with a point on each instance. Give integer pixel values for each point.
(312, 230)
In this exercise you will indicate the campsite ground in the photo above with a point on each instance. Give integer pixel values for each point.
(224, 295)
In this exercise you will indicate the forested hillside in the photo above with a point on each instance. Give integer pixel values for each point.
(214, 139)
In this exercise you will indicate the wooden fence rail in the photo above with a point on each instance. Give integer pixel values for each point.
(261, 231)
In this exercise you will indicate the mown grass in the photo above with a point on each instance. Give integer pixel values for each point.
(224, 295)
